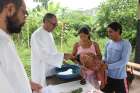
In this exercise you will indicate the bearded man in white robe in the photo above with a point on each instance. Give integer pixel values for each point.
(13, 78)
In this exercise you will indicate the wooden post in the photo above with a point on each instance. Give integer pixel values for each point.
(137, 49)
(139, 9)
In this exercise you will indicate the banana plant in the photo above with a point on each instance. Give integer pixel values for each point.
(44, 2)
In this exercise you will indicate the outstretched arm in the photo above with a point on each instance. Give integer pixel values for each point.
(74, 53)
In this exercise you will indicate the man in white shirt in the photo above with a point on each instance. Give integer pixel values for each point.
(45, 56)
(13, 78)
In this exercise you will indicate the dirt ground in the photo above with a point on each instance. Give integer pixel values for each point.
(135, 87)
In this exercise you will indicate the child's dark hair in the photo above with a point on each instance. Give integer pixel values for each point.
(85, 29)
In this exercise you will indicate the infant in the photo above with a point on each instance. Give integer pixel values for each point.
(93, 70)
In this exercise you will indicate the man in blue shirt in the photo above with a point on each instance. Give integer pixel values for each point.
(117, 52)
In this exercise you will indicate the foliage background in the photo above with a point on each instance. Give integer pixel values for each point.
(123, 11)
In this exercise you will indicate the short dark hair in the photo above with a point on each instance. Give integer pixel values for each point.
(84, 29)
(116, 27)
(3, 3)
(48, 16)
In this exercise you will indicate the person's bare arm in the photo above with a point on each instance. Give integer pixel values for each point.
(67, 56)
(74, 52)
(97, 49)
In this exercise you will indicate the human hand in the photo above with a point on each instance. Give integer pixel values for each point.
(65, 62)
(68, 56)
(35, 87)
(104, 66)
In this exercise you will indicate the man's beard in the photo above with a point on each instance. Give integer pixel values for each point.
(13, 26)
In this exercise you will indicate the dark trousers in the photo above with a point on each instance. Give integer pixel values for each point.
(115, 86)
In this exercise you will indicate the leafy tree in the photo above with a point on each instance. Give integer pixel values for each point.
(123, 11)
(68, 23)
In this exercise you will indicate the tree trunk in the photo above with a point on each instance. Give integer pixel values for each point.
(137, 50)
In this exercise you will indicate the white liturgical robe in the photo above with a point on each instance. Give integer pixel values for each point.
(44, 56)
(5, 86)
(11, 69)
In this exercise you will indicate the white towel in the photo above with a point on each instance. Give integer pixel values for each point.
(67, 72)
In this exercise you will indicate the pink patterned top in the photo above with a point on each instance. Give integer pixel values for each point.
(91, 49)
(87, 73)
